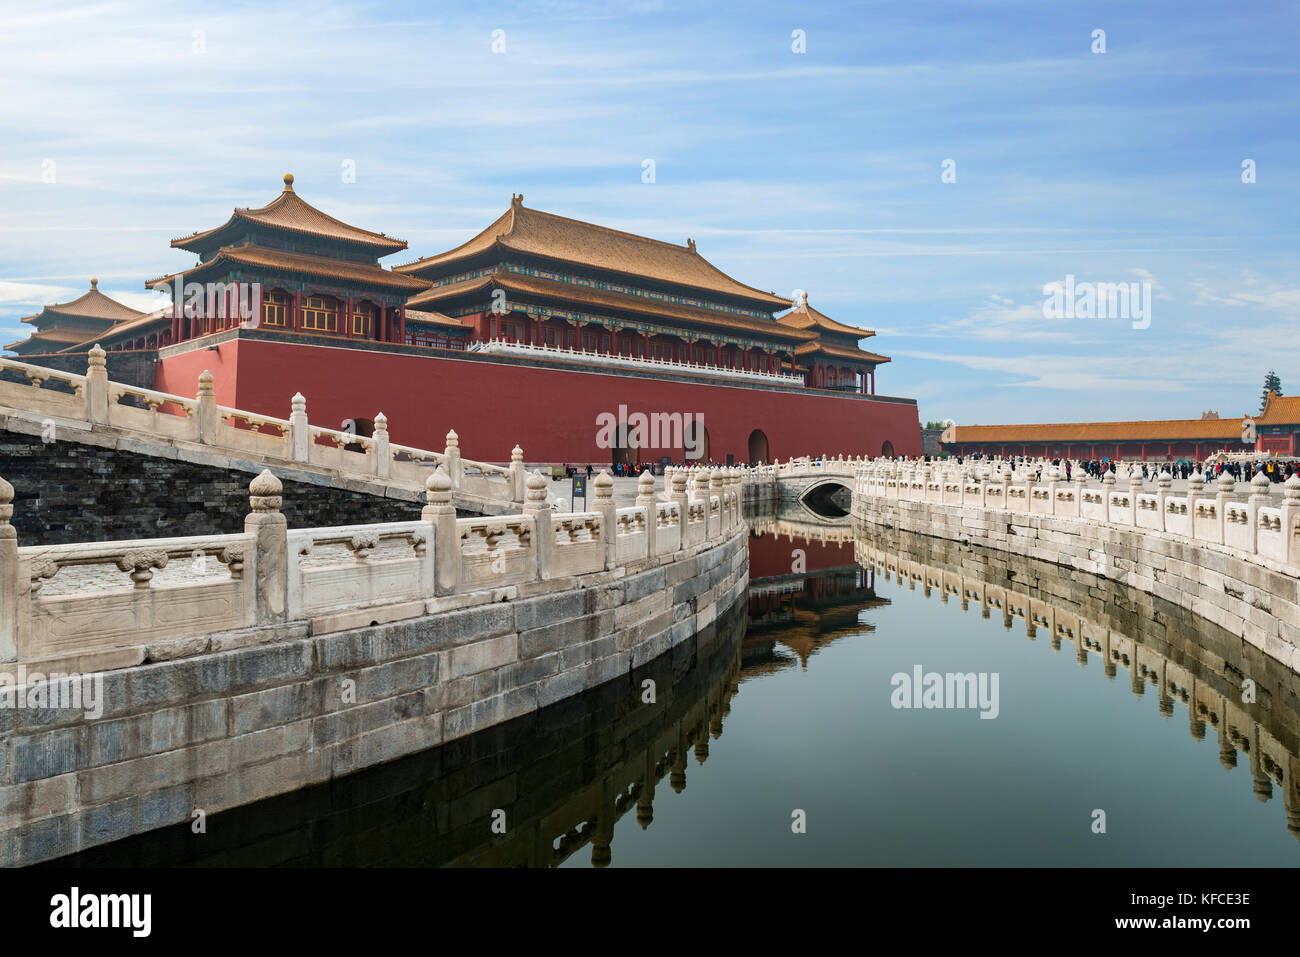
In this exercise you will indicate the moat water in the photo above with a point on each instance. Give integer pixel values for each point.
(1116, 734)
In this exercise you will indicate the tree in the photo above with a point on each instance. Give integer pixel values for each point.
(1271, 384)
(937, 426)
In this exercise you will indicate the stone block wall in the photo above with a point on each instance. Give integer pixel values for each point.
(67, 491)
(234, 725)
(1248, 598)
(555, 773)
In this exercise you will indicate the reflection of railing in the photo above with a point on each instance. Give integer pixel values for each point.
(86, 598)
(509, 347)
(1184, 663)
(59, 398)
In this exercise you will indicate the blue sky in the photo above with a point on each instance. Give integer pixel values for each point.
(818, 170)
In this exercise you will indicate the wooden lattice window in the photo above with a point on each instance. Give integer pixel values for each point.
(275, 308)
(320, 314)
(363, 319)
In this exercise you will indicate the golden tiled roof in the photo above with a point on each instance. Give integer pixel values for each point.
(289, 211)
(302, 263)
(57, 338)
(804, 316)
(841, 352)
(1280, 410)
(1171, 430)
(92, 305)
(606, 299)
(431, 318)
(532, 231)
(159, 317)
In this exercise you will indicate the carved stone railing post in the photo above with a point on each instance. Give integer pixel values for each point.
(645, 498)
(1290, 514)
(733, 480)
(1195, 488)
(97, 386)
(207, 399)
(1080, 483)
(701, 495)
(383, 457)
(604, 506)
(517, 477)
(1107, 487)
(1163, 484)
(1260, 488)
(544, 537)
(446, 539)
(683, 500)
(9, 610)
(1226, 484)
(453, 458)
(268, 525)
(299, 430)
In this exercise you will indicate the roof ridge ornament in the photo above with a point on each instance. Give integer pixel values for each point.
(94, 284)
(516, 199)
(288, 182)
(690, 244)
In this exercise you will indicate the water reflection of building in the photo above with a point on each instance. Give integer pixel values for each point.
(1164, 648)
(805, 613)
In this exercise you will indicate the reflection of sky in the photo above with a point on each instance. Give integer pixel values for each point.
(817, 171)
(942, 787)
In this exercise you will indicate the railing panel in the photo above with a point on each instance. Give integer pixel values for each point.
(631, 526)
(29, 396)
(579, 544)
(1148, 511)
(1272, 541)
(1236, 526)
(1205, 520)
(356, 566)
(89, 597)
(496, 552)
(1177, 519)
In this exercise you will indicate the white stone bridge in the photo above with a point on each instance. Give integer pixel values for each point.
(91, 409)
(815, 484)
(143, 680)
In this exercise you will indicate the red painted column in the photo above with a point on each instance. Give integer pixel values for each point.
(383, 322)
(347, 323)
(296, 321)
(401, 323)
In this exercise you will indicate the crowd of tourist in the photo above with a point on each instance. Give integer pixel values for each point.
(1243, 470)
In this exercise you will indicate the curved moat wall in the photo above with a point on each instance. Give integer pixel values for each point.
(1258, 603)
(229, 727)
(563, 776)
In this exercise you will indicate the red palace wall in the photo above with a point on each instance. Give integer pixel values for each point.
(550, 413)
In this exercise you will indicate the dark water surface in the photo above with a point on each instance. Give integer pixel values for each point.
(1108, 702)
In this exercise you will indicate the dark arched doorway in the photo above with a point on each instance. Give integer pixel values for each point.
(887, 450)
(625, 450)
(358, 426)
(695, 442)
(757, 447)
